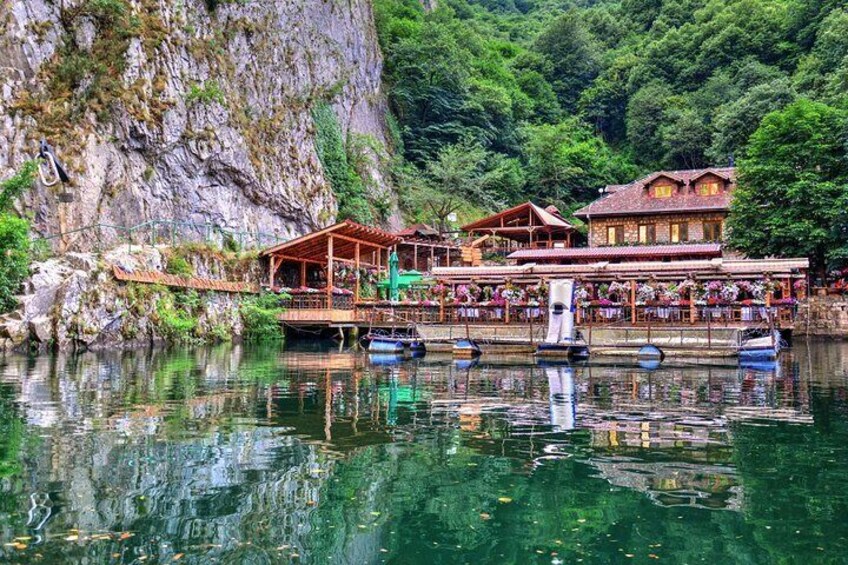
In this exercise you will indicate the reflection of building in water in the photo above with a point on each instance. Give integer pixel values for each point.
(675, 484)
(563, 399)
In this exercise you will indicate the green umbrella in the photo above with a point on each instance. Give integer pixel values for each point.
(394, 276)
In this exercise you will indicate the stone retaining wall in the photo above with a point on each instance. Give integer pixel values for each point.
(823, 316)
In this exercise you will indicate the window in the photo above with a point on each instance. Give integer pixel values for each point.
(647, 233)
(615, 235)
(710, 188)
(712, 231)
(663, 190)
(679, 232)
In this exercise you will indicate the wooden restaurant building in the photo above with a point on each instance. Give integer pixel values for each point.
(655, 256)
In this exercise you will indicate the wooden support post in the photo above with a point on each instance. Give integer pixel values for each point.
(632, 302)
(442, 306)
(379, 261)
(356, 267)
(330, 281)
(415, 256)
(432, 258)
(272, 270)
(303, 273)
(447, 261)
(693, 309)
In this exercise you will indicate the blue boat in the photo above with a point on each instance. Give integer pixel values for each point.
(761, 348)
(385, 359)
(385, 345)
(466, 348)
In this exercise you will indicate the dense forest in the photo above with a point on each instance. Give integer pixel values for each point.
(498, 101)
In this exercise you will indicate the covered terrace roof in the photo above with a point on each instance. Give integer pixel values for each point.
(618, 252)
(520, 220)
(346, 235)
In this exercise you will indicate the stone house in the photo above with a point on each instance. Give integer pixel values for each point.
(664, 207)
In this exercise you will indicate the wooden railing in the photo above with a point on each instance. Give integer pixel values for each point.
(318, 301)
(596, 315)
(686, 315)
(587, 315)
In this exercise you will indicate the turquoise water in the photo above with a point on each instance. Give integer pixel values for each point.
(262, 455)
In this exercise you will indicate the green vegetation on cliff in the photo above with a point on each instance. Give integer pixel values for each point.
(14, 237)
(568, 95)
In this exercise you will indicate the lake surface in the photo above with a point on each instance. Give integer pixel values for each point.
(274, 455)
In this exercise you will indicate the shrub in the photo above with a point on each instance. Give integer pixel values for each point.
(179, 266)
(15, 185)
(176, 325)
(260, 317)
(207, 93)
(14, 258)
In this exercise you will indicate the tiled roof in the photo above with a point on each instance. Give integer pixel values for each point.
(623, 252)
(621, 200)
(417, 230)
(547, 218)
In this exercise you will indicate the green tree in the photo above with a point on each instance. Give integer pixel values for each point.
(567, 164)
(645, 118)
(735, 122)
(573, 55)
(793, 185)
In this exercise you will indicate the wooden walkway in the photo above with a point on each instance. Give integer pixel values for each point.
(196, 283)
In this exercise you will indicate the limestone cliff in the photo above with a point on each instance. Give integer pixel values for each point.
(194, 110)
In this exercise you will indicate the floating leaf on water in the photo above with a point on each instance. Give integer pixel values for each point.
(375, 513)
(653, 556)
(383, 550)
(485, 515)
(125, 535)
(72, 538)
(504, 500)
(581, 520)
(629, 555)
(178, 556)
(19, 546)
(23, 538)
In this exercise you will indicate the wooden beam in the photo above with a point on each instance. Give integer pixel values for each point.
(415, 257)
(633, 302)
(330, 272)
(303, 273)
(297, 259)
(356, 266)
(272, 270)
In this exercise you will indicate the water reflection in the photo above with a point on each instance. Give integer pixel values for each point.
(259, 455)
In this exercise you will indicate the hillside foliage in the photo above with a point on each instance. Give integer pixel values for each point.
(556, 98)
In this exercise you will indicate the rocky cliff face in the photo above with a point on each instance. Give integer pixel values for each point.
(194, 110)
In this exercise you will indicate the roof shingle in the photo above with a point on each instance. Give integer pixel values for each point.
(632, 199)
